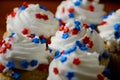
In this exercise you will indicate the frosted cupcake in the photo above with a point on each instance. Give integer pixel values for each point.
(77, 53)
(74, 31)
(32, 19)
(23, 58)
(88, 11)
(109, 30)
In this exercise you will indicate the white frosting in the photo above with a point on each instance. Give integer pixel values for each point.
(22, 48)
(81, 11)
(107, 31)
(26, 19)
(88, 69)
(58, 43)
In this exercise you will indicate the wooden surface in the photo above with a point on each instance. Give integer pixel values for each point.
(6, 6)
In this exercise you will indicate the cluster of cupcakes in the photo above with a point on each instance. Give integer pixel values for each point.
(80, 42)
(24, 53)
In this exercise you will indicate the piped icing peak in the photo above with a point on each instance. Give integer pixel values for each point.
(34, 17)
(77, 55)
(75, 63)
(22, 52)
(110, 30)
(88, 11)
(68, 34)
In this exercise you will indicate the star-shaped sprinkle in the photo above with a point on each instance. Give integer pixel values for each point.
(85, 39)
(8, 45)
(76, 61)
(90, 8)
(13, 14)
(25, 31)
(74, 31)
(61, 28)
(66, 29)
(55, 70)
(71, 10)
(3, 50)
(90, 44)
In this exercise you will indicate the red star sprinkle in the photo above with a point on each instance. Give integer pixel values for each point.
(63, 10)
(1, 68)
(25, 4)
(3, 50)
(90, 8)
(71, 10)
(25, 31)
(61, 28)
(85, 39)
(45, 17)
(62, 22)
(103, 22)
(66, 29)
(38, 15)
(55, 70)
(76, 61)
(13, 14)
(90, 44)
(74, 31)
(85, 25)
(100, 77)
(7, 45)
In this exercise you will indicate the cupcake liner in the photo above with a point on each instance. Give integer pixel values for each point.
(5, 77)
(114, 66)
(40, 73)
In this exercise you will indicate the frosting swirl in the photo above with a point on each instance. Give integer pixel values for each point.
(79, 64)
(57, 41)
(33, 17)
(77, 51)
(88, 11)
(19, 49)
(110, 30)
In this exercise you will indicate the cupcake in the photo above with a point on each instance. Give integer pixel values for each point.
(88, 11)
(78, 51)
(73, 31)
(32, 19)
(109, 30)
(23, 58)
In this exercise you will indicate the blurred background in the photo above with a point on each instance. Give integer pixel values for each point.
(6, 6)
